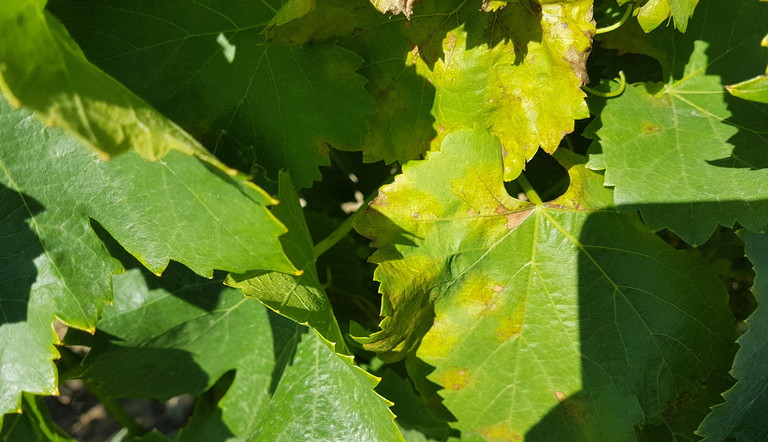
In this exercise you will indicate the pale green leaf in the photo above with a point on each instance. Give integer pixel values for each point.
(685, 152)
(176, 209)
(742, 417)
(291, 10)
(755, 89)
(301, 298)
(539, 320)
(287, 104)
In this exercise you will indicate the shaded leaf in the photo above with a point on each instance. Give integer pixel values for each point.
(287, 103)
(686, 153)
(183, 334)
(741, 417)
(540, 321)
(176, 209)
(44, 70)
(34, 423)
(301, 298)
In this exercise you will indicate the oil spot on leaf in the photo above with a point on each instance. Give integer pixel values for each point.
(454, 378)
(512, 325)
(500, 432)
(649, 128)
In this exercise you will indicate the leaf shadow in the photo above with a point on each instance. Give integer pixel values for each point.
(19, 248)
(634, 353)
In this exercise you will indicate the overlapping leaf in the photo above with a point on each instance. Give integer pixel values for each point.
(173, 209)
(43, 69)
(516, 71)
(741, 417)
(51, 265)
(540, 321)
(183, 334)
(301, 298)
(686, 153)
(209, 67)
(756, 88)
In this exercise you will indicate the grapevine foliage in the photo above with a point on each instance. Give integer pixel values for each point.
(388, 219)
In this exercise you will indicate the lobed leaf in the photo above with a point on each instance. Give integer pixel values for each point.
(214, 71)
(301, 298)
(540, 321)
(685, 153)
(183, 334)
(740, 418)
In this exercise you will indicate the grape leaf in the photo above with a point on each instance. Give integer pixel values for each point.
(181, 335)
(213, 69)
(686, 153)
(755, 89)
(43, 69)
(521, 80)
(35, 423)
(741, 417)
(655, 12)
(404, 7)
(172, 209)
(539, 320)
(42, 270)
(301, 298)
(516, 71)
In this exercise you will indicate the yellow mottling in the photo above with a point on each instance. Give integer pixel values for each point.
(454, 379)
(512, 325)
(500, 432)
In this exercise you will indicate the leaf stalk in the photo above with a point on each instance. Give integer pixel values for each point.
(529, 191)
(618, 24)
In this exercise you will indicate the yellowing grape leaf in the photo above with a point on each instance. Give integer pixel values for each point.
(517, 72)
(655, 12)
(540, 321)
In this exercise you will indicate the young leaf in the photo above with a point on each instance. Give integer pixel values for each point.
(214, 70)
(172, 209)
(655, 12)
(184, 334)
(540, 320)
(686, 153)
(742, 416)
(301, 298)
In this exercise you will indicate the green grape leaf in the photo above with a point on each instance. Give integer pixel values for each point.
(686, 153)
(172, 209)
(755, 89)
(43, 270)
(301, 298)
(184, 333)
(213, 70)
(655, 12)
(741, 417)
(539, 320)
(291, 10)
(34, 423)
(41, 68)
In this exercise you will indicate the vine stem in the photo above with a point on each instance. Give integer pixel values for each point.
(118, 412)
(528, 189)
(616, 93)
(341, 231)
(618, 24)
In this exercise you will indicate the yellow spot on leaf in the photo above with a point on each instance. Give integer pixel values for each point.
(500, 432)
(454, 378)
(512, 325)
